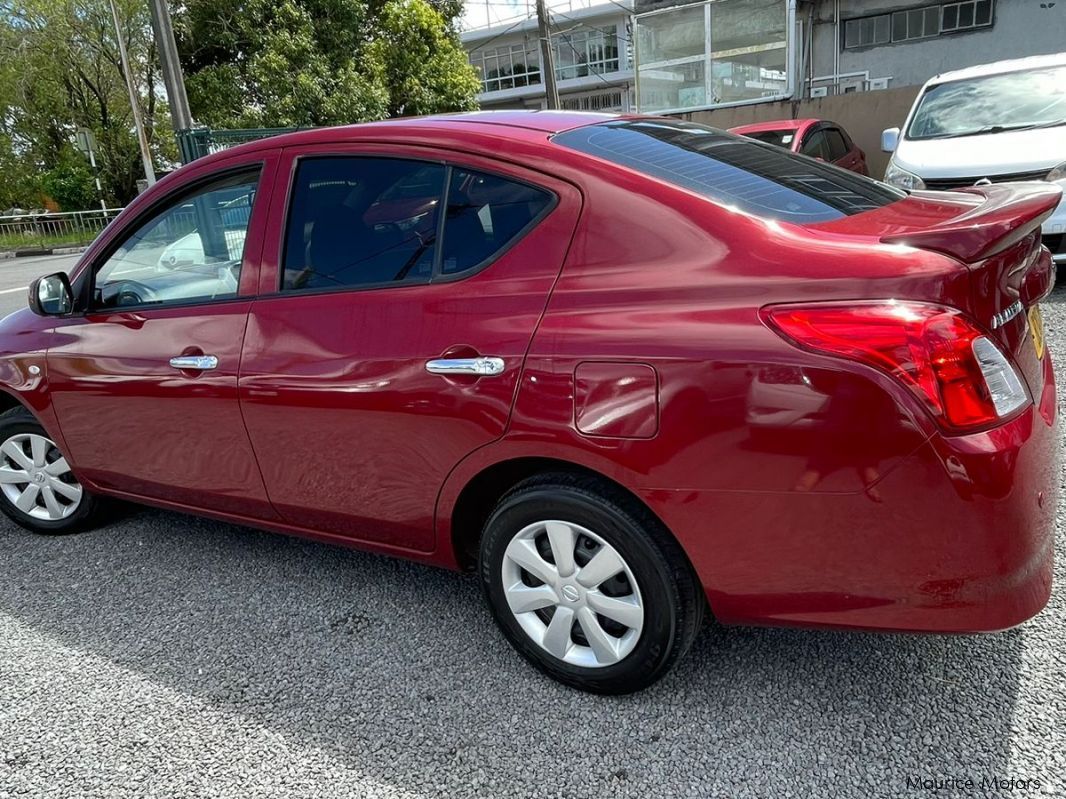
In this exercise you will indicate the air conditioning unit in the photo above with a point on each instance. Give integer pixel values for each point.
(876, 84)
(819, 91)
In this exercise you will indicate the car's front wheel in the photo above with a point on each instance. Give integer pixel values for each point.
(587, 585)
(37, 488)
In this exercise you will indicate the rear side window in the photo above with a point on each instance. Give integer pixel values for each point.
(816, 146)
(485, 214)
(760, 179)
(838, 148)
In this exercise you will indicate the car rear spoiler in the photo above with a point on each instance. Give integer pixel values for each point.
(1009, 213)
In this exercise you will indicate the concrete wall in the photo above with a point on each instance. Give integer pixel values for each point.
(863, 115)
(1019, 28)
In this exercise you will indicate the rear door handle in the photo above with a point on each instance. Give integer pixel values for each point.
(481, 367)
(196, 363)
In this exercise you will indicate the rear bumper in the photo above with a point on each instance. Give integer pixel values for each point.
(959, 537)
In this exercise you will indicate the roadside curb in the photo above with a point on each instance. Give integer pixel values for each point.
(53, 251)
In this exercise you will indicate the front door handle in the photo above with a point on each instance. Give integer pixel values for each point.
(480, 367)
(194, 363)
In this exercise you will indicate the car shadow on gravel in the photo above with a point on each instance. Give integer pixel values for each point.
(397, 670)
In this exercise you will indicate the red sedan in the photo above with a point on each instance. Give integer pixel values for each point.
(631, 371)
(817, 138)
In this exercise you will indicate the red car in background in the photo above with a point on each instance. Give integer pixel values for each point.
(817, 138)
(538, 347)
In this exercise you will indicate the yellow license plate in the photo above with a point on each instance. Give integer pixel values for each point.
(1036, 327)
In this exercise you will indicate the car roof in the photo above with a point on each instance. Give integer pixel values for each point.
(506, 124)
(1000, 67)
(776, 124)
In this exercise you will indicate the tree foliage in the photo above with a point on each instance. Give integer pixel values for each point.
(249, 63)
(322, 62)
(60, 71)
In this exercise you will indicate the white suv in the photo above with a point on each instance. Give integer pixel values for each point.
(989, 124)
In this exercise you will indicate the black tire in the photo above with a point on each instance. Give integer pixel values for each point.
(671, 595)
(19, 421)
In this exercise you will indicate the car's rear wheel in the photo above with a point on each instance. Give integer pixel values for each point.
(587, 585)
(38, 490)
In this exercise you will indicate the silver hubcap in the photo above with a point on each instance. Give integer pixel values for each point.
(572, 593)
(36, 479)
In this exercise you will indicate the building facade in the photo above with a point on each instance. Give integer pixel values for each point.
(593, 60)
(905, 44)
(721, 53)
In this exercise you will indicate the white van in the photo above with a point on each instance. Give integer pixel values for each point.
(989, 124)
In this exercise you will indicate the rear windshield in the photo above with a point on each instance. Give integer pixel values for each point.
(782, 138)
(757, 178)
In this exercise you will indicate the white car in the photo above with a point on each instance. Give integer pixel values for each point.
(994, 123)
(190, 250)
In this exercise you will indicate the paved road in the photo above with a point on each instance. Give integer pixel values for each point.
(16, 274)
(168, 656)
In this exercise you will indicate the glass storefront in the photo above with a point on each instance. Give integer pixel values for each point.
(713, 53)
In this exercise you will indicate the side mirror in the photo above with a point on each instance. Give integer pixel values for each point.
(51, 295)
(889, 139)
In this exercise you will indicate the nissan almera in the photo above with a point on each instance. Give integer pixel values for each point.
(633, 372)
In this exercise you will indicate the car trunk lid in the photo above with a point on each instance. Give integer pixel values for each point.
(995, 232)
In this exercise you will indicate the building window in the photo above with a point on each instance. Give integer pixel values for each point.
(581, 53)
(917, 23)
(868, 31)
(964, 16)
(610, 100)
(748, 59)
(507, 66)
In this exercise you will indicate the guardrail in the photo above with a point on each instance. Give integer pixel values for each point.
(32, 230)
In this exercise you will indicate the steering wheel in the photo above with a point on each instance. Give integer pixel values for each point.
(129, 292)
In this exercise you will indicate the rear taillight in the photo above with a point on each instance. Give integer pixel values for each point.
(958, 373)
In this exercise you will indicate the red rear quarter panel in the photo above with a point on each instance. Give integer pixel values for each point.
(843, 516)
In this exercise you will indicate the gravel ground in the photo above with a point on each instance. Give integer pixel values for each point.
(170, 656)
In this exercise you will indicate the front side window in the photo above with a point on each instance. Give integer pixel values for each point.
(362, 221)
(734, 171)
(191, 251)
(1012, 101)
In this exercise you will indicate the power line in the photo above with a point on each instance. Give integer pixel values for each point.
(504, 32)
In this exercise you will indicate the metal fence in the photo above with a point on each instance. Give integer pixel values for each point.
(30, 231)
(198, 142)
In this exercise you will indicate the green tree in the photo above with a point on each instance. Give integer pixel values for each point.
(425, 71)
(322, 62)
(60, 71)
(70, 182)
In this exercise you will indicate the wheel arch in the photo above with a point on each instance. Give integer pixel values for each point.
(479, 494)
(9, 400)
(36, 404)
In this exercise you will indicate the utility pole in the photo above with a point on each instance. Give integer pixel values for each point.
(547, 55)
(146, 154)
(86, 142)
(168, 57)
